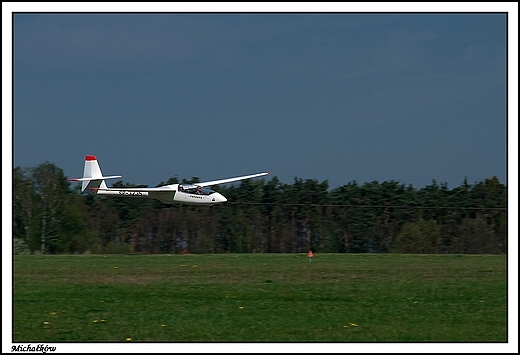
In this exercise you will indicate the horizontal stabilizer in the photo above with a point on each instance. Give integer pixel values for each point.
(97, 178)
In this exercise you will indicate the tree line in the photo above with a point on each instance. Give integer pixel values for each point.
(51, 216)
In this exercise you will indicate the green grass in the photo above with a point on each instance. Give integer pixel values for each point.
(260, 297)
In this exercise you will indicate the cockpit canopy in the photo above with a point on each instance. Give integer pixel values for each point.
(194, 189)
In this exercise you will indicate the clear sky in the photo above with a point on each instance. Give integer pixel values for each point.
(329, 96)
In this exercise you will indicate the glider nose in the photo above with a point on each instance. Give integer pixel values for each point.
(219, 198)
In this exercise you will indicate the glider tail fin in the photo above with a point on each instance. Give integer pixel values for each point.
(93, 178)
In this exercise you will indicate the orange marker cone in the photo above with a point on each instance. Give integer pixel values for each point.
(310, 255)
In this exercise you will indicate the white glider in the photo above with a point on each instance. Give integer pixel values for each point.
(93, 182)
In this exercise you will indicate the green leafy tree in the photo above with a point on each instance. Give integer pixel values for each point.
(475, 236)
(25, 206)
(420, 237)
(272, 208)
(51, 186)
(75, 236)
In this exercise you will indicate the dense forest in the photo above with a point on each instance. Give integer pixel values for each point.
(51, 216)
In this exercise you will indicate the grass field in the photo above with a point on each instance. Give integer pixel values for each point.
(260, 297)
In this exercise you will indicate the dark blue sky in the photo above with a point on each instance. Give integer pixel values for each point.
(338, 97)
